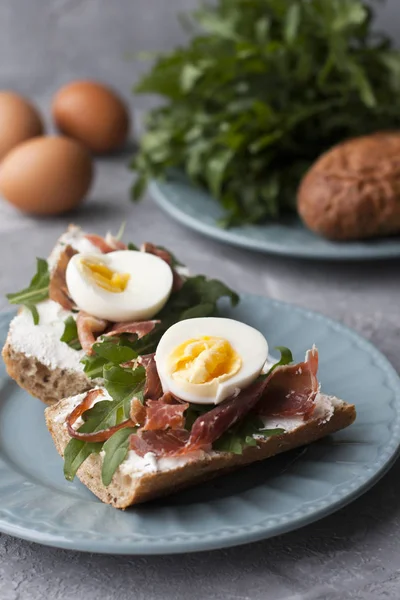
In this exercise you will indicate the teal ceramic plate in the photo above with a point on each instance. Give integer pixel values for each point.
(260, 501)
(194, 208)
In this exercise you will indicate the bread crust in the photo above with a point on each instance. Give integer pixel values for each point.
(353, 190)
(126, 490)
(49, 385)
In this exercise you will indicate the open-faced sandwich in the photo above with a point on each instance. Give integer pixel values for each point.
(92, 286)
(206, 402)
(151, 390)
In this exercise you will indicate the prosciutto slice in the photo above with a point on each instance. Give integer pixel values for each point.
(287, 391)
(87, 326)
(211, 425)
(161, 443)
(97, 436)
(58, 290)
(138, 412)
(291, 391)
(165, 413)
(177, 281)
(105, 245)
(153, 388)
(140, 328)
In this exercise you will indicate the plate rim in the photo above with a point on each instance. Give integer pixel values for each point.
(259, 531)
(233, 239)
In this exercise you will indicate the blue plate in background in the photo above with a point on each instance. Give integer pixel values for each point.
(196, 209)
(257, 502)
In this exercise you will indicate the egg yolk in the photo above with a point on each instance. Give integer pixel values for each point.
(204, 360)
(104, 277)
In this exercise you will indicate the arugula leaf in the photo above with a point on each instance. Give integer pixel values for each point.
(241, 435)
(76, 452)
(117, 350)
(122, 386)
(285, 359)
(70, 335)
(37, 291)
(108, 350)
(259, 92)
(93, 365)
(132, 246)
(116, 450)
(194, 411)
(120, 382)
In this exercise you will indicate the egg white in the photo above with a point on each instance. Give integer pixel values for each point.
(146, 292)
(248, 342)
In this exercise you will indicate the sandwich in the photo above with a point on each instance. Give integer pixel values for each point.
(149, 389)
(207, 401)
(92, 286)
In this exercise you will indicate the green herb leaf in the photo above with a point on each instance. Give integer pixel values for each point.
(258, 92)
(116, 450)
(37, 291)
(108, 350)
(285, 359)
(132, 247)
(120, 382)
(292, 23)
(242, 434)
(116, 350)
(122, 385)
(70, 335)
(93, 365)
(34, 313)
(77, 451)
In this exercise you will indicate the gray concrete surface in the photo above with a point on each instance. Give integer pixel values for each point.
(353, 554)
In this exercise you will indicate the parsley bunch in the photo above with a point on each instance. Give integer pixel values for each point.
(262, 88)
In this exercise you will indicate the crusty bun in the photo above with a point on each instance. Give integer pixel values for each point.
(353, 190)
(127, 489)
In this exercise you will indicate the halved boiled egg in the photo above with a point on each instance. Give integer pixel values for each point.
(120, 286)
(208, 359)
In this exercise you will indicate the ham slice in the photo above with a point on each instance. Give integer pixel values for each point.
(165, 413)
(211, 425)
(87, 327)
(177, 281)
(292, 389)
(153, 388)
(58, 290)
(160, 443)
(97, 436)
(140, 328)
(109, 244)
(138, 412)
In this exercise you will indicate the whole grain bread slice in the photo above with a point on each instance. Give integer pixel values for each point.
(49, 385)
(135, 488)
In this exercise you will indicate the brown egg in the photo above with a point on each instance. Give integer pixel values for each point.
(46, 175)
(19, 121)
(93, 114)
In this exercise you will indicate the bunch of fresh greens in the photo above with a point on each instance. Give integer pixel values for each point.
(262, 88)
(125, 383)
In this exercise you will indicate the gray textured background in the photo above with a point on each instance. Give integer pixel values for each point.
(353, 554)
